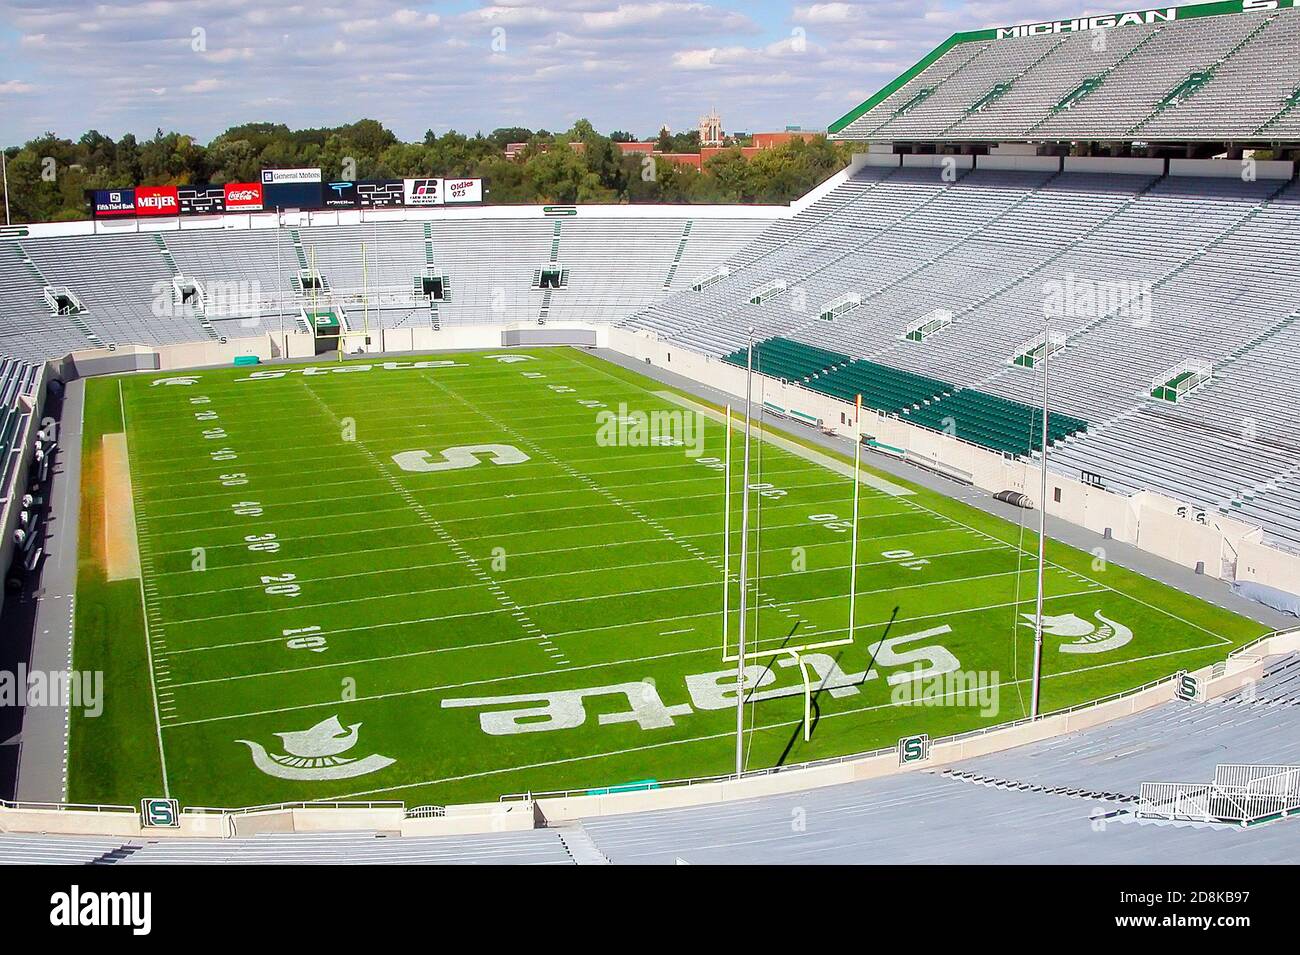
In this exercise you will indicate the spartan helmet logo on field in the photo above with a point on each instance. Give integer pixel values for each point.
(1091, 638)
(316, 753)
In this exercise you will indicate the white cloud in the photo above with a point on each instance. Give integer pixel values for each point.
(630, 64)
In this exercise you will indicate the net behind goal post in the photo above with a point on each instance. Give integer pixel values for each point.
(355, 342)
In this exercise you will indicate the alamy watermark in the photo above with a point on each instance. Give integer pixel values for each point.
(626, 428)
(1076, 297)
(973, 689)
(79, 689)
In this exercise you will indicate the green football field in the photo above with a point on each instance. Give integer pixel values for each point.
(448, 578)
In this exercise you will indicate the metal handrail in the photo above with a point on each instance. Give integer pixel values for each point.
(21, 805)
(307, 804)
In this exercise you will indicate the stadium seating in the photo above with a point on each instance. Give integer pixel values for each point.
(783, 358)
(1205, 78)
(125, 282)
(1209, 267)
(17, 379)
(995, 422)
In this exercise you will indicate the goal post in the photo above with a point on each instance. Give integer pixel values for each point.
(746, 656)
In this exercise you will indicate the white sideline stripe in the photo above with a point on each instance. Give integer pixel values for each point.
(1000, 542)
(770, 437)
(144, 607)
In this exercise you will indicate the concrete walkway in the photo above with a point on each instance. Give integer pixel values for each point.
(43, 760)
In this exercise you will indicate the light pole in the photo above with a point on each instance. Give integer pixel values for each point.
(744, 553)
(4, 173)
(1042, 537)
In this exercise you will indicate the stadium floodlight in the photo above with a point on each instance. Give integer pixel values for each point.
(4, 173)
(1042, 540)
(744, 553)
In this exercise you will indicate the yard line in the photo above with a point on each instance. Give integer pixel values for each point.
(590, 666)
(608, 569)
(469, 502)
(588, 598)
(523, 553)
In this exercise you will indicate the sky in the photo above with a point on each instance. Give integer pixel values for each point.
(201, 66)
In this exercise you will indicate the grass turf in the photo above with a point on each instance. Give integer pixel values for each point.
(295, 572)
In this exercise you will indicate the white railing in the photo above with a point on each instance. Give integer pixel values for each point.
(1280, 780)
(426, 812)
(25, 805)
(1240, 794)
(284, 806)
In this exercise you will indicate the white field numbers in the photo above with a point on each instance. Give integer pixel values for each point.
(282, 585)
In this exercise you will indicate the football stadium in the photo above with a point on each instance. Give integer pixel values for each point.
(954, 506)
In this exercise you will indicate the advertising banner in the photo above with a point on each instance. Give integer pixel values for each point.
(339, 195)
(112, 203)
(202, 200)
(381, 194)
(243, 196)
(462, 190)
(422, 192)
(279, 177)
(157, 201)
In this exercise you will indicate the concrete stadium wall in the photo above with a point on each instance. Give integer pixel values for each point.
(111, 361)
(1020, 163)
(1231, 168)
(935, 161)
(585, 337)
(1115, 165)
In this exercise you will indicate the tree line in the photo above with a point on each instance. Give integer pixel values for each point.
(49, 175)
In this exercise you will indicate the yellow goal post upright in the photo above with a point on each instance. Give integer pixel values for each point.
(741, 653)
(362, 336)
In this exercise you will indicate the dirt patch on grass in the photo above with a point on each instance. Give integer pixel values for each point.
(92, 507)
(121, 550)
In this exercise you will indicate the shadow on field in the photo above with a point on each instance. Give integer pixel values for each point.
(815, 702)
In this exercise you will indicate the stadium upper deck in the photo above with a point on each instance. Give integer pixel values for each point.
(1212, 73)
